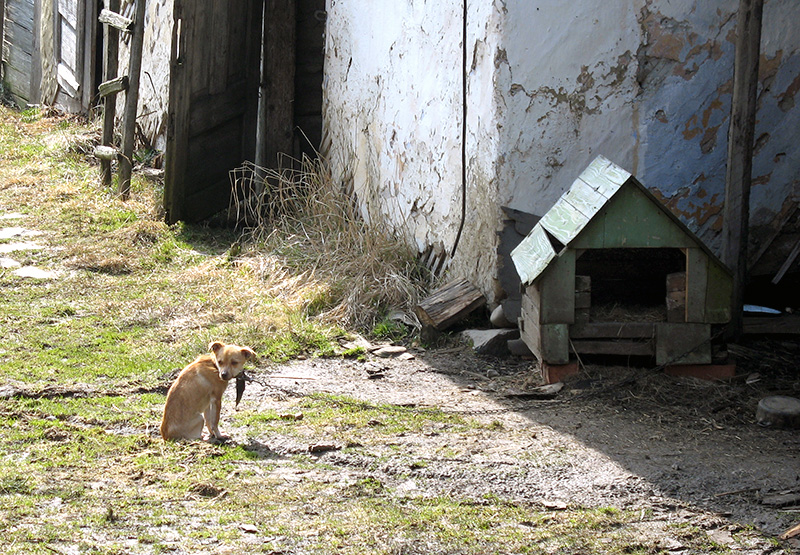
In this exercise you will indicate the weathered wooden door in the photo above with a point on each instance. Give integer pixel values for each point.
(213, 101)
(74, 49)
(69, 44)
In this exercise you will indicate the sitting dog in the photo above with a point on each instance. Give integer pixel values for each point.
(196, 395)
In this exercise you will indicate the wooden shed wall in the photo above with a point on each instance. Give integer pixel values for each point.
(310, 55)
(19, 50)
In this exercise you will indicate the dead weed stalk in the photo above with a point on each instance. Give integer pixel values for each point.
(312, 247)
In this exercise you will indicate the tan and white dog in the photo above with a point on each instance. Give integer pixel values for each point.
(195, 397)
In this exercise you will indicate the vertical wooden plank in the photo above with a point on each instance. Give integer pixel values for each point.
(178, 116)
(555, 343)
(740, 152)
(719, 294)
(88, 66)
(252, 74)
(199, 47)
(696, 284)
(529, 325)
(110, 67)
(218, 59)
(131, 102)
(2, 34)
(277, 118)
(557, 284)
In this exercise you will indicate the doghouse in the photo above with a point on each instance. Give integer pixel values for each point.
(609, 270)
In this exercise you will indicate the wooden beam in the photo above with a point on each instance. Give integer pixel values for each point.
(787, 264)
(613, 330)
(105, 153)
(276, 109)
(610, 347)
(112, 18)
(113, 86)
(740, 152)
(788, 324)
(449, 304)
(110, 66)
(131, 102)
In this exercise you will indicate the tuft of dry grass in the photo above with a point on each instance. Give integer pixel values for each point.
(311, 247)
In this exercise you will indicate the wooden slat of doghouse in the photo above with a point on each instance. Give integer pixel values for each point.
(548, 342)
(718, 294)
(632, 221)
(683, 343)
(604, 176)
(533, 255)
(613, 330)
(696, 285)
(531, 301)
(625, 348)
(557, 284)
(564, 221)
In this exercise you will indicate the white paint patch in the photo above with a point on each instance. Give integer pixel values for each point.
(6, 263)
(34, 273)
(22, 246)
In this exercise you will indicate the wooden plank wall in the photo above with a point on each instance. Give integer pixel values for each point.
(310, 55)
(18, 50)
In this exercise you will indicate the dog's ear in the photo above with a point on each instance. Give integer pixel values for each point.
(215, 346)
(248, 353)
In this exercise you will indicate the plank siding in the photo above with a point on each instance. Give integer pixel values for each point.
(18, 50)
(213, 95)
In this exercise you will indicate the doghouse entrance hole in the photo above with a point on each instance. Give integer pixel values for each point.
(629, 284)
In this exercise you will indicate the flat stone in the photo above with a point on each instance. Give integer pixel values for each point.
(22, 246)
(34, 273)
(9, 232)
(490, 342)
(8, 263)
(389, 351)
(12, 216)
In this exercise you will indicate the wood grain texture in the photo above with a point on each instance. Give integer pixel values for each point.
(449, 304)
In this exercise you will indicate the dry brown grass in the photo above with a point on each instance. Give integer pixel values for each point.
(312, 247)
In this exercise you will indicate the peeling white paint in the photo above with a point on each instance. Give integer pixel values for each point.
(551, 85)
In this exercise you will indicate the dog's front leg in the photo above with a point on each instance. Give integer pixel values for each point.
(212, 415)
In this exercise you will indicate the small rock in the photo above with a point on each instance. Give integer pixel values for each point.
(291, 416)
(518, 348)
(499, 319)
(490, 342)
(322, 447)
(248, 529)
(389, 351)
(492, 373)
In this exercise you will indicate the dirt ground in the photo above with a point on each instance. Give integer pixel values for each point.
(678, 449)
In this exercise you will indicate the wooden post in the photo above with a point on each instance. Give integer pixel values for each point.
(277, 83)
(110, 66)
(740, 153)
(131, 102)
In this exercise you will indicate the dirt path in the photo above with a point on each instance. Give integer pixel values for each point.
(614, 447)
